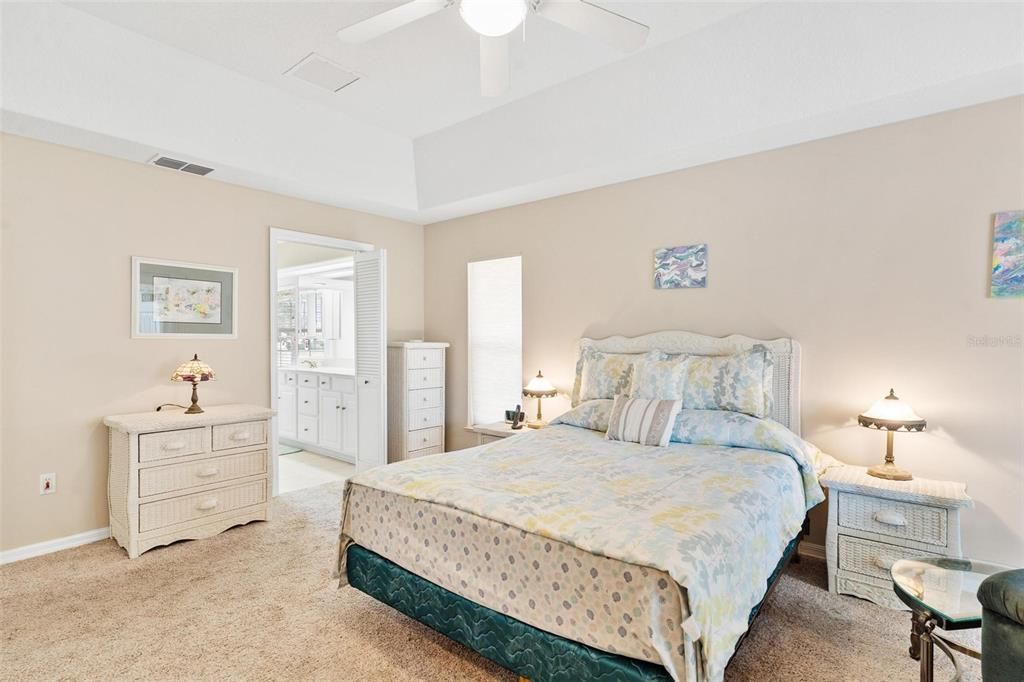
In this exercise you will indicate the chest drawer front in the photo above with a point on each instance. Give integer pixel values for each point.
(424, 359)
(424, 419)
(424, 438)
(424, 398)
(154, 515)
(165, 479)
(168, 444)
(227, 436)
(425, 378)
(307, 401)
(868, 557)
(904, 520)
(426, 451)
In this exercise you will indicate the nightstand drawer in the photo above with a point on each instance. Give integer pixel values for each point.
(904, 520)
(868, 557)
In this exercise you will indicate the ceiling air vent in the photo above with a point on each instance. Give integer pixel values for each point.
(320, 71)
(184, 166)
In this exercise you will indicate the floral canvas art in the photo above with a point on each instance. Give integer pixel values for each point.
(681, 267)
(1008, 254)
(186, 300)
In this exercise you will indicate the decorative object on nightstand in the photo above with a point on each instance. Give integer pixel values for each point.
(518, 417)
(415, 399)
(873, 522)
(174, 476)
(539, 388)
(194, 371)
(890, 414)
(942, 594)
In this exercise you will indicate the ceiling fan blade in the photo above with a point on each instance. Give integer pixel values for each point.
(495, 67)
(382, 23)
(605, 25)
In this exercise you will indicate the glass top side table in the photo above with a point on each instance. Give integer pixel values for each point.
(941, 593)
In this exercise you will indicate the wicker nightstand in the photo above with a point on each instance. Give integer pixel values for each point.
(488, 433)
(873, 522)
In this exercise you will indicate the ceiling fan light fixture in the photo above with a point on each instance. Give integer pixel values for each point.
(493, 18)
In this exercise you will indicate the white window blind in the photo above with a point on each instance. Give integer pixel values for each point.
(495, 338)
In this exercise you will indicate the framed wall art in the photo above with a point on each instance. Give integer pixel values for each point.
(176, 299)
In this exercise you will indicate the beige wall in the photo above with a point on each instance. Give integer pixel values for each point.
(71, 222)
(872, 249)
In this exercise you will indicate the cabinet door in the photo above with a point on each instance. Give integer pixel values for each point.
(286, 411)
(348, 424)
(330, 420)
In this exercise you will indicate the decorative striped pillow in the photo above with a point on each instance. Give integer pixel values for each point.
(637, 420)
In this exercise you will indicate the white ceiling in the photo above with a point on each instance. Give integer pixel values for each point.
(415, 140)
(415, 80)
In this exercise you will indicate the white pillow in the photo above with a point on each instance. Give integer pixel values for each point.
(647, 422)
(656, 379)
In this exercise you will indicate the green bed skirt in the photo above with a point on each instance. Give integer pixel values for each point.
(524, 649)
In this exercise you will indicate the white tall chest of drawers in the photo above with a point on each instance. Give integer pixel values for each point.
(872, 522)
(176, 476)
(416, 390)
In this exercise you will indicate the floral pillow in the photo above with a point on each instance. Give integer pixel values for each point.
(738, 383)
(592, 415)
(658, 379)
(605, 375)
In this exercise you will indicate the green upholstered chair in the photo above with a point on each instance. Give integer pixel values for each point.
(1002, 626)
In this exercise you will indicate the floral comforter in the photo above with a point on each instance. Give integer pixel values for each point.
(715, 514)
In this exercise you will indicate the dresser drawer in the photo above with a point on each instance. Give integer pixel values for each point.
(424, 419)
(323, 381)
(154, 515)
(424, 398)
(425, 358)
(424, 438)
(426, 451)
(903, 520)
(288, 379)
(165, 479)
(868, 557)
(307, 380)
(227, 436)
(153, 446)
(425, 378)
(307, 401)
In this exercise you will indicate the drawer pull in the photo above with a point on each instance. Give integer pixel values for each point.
(305, 402)
(173, 445)
(889, 518)
(207, 505)
(338, 407)
(207, 472)
(426, 440)
(883, 562)
(426, 399)
(240, 435)
(424, 358)
(426, 419)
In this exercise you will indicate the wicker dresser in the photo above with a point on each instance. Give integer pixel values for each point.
(416, 372)
(174, 476)
(872, 522)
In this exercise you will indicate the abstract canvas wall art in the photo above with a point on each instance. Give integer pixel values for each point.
(681, 267)
(1008, 254)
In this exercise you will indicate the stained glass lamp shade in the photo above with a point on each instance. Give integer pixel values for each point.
(539, 387)
(890, 414)
(193, 371)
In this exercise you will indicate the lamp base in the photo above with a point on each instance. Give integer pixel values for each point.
(537, 424)
(194, 407)
(890, 472)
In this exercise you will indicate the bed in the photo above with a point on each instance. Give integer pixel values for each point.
(563, 555)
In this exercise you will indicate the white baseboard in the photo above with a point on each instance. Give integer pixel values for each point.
(50, 546)
(809, 549)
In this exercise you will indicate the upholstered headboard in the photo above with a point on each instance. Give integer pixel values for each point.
(785, 354)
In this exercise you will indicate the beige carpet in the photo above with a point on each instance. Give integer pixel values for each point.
(257, 603)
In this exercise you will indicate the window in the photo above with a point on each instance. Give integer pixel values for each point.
(495, 338)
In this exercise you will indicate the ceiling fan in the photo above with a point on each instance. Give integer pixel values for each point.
(494, 20)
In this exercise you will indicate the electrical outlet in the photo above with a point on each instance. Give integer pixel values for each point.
(47, 484)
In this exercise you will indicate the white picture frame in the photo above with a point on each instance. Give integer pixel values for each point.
(215, 309)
